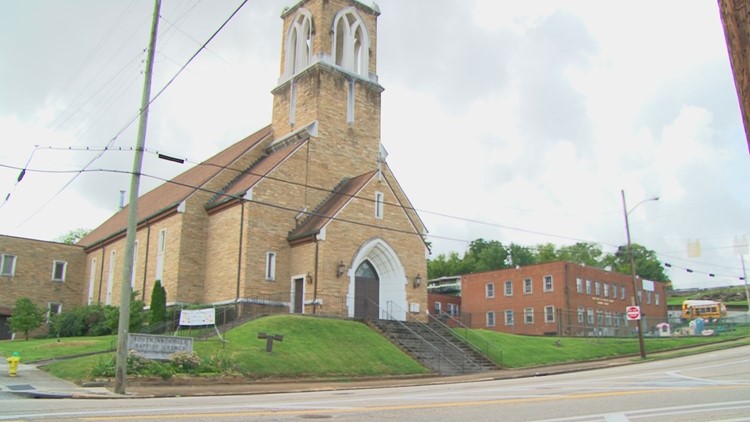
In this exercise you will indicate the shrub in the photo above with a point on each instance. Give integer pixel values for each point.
(221, 363)
(185, 362)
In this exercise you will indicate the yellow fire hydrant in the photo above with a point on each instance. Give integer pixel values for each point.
(13, 362)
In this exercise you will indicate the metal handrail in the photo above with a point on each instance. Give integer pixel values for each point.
(457, 353)
(481, 346)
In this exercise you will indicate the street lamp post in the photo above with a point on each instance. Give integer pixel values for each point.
(635, 299)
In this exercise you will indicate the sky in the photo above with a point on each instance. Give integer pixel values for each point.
(521, 122)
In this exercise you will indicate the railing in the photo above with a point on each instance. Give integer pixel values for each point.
(449, 352)
(470, 338)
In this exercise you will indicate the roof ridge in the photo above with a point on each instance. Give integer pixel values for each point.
(325, 200)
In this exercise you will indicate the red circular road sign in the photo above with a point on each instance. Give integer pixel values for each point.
(633, 312)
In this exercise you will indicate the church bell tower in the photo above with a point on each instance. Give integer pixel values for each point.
(328, 87)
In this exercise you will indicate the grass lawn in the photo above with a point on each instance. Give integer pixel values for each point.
(333, 348)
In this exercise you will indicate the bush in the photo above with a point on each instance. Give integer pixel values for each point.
(138, 365)
(185, 362)
(87, 320)
(221, 363)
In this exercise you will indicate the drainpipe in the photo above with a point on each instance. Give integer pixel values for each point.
(315, 285)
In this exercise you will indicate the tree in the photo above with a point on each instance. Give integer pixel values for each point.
(158, 304)
(647, 265)
(26, 316)
(520, 256)
(487, 255)
(72, 237)
(583, 253)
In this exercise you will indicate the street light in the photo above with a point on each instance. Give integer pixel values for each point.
(635, 300)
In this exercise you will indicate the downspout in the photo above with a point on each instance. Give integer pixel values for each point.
(315, 286)
(239, 253)
(145, 263)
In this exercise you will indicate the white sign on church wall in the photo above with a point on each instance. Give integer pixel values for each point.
(198, 317)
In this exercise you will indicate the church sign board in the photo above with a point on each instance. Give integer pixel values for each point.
(159, 347)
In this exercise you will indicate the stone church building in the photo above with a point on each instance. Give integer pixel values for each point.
(305, 213)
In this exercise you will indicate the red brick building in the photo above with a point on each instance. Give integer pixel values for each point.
(559, 298)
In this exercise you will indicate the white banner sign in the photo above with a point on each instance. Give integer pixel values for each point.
(198, 317)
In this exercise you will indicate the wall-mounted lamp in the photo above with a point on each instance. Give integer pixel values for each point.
(309, 278)
(340, 269)
(418, 280)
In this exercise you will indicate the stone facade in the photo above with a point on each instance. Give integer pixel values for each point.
(30, 266)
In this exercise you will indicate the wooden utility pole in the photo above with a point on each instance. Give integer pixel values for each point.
(735, 17)
(121, 363)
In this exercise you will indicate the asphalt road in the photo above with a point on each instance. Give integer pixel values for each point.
(711, 386)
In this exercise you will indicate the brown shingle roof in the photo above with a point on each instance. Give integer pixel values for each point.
(167, 196)
(331, 206)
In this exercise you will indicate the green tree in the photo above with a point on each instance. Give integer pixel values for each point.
(443, 266)
(158, 304)
(520, 256)
(584, 253)
(137, 316)
(647, 265)
(487, 255)
(72, 237)
(26, 316)
(546, 252)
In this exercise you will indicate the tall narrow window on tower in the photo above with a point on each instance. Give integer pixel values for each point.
(351, 44)
(299, 43)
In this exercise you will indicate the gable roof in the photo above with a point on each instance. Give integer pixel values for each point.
(327, 210)
(257, 171)
(167, 196)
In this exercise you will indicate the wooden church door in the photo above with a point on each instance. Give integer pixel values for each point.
(366, 292)
(299, 285)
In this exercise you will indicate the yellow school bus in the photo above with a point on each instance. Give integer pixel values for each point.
(706, 309)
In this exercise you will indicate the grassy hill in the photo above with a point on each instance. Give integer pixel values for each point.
(333, 348)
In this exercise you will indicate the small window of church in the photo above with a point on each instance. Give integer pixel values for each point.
(270, 265)
(58, 270)
(378, 204)
(299, 43)
(351, 44)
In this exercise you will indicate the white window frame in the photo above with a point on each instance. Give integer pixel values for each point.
(549, 283)
(656, 298)
(55, 265)
(298, 52)
(270, 265)
(509, 317)
(453, 309)
(579, 285)
(490, 319)
(135, 264)
(588, 286)
(606, 289)
(161, 252)
(379, 205)
(528, 286)
(581, 313)
(438, 308)
(489, 290)
(506, 290)
(590, 316)
(597, 288)
(622, 293)
(58, 307)
(92, 281)
(354, 54)
(3, 263)
(528, 316)
(549, 313)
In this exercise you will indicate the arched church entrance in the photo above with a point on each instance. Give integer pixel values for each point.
(377, 287)
(366, 292)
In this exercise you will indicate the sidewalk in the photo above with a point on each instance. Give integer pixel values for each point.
(35, 383)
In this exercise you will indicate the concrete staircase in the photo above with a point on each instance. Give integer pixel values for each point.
(435, 346)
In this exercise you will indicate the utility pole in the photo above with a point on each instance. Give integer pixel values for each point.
(121, 364)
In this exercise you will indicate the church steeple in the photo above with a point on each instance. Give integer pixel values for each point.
(328, 77)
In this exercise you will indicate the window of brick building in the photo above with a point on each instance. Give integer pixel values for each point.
(58, 270)
(8, 265)
(490, 319)
(508, 288)
(579, 285)
(53, 309)
(527, 286)
(606, 289)
(489, 290)
(378, 204)
(548, 283)
(590, 316)
(453, 309)
(509, 317)
(597, 288)
(528, 316)
(581, 312)
(588, 287)
(549, 314)
(622, 292)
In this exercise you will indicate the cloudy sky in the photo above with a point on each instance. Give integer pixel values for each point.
(513, 121)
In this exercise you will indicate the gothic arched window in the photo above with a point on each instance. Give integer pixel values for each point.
(299, 43)
(351, 44)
